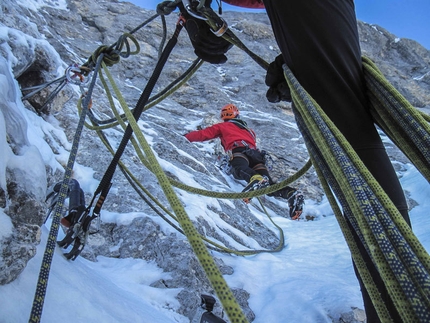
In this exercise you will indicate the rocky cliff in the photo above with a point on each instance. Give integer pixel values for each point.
(46, 38)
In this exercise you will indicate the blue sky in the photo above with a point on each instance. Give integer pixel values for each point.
(405, 19)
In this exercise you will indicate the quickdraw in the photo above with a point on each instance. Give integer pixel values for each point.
(78, 75)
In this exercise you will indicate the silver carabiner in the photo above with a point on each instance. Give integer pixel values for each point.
(74, 75)
(221, 31)
(191, 11)
(196, 14)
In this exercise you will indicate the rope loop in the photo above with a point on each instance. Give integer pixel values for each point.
(123, 41)
(112, 54)
(165, 8)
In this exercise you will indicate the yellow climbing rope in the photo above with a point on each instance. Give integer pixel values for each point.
(137, 148)
(405, 125)
(211, 269)
(400, 258)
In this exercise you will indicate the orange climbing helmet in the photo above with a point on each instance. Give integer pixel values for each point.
(229, 111)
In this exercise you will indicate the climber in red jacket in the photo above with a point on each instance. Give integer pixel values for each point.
(247, 162)
(238, 140)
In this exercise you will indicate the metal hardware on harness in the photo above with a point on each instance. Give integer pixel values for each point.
(74, 75)
(191, 11)
(181, 20)
(195, 12)
(221, 31)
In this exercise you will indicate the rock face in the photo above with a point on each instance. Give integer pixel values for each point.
(45, 41)
(404, 62)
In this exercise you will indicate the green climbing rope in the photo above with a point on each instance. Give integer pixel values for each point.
(212, 271)
(404, 124)
(397, 253)
(137, 147)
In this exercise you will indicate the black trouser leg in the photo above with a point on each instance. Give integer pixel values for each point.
(241, 169)
(319, 42)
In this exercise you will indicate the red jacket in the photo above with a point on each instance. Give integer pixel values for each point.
(231, 135)
(255, 4)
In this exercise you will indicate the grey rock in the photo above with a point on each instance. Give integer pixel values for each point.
(74, 35)
(17, 250)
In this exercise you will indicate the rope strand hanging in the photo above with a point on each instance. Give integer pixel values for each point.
(39, 297)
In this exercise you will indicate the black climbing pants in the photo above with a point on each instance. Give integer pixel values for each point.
(247, 163)
(319, 42)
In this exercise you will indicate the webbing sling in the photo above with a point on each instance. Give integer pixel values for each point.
(400, 258)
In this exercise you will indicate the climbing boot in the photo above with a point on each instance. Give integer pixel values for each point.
(296, 202)
(255, 183)
(73, 216)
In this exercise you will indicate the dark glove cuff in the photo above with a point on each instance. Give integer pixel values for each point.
(275, 72)
(284, 92)
(272, 95)
(211, 58)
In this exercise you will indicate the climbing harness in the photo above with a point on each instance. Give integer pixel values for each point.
(223, 161)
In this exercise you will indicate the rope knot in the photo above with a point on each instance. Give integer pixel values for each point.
(112, 54)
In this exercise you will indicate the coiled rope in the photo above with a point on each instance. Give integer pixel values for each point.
(406, 126)
(400, 258)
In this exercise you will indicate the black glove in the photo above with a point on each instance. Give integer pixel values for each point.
(275, 80)
(166, 8)
(207, 45)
